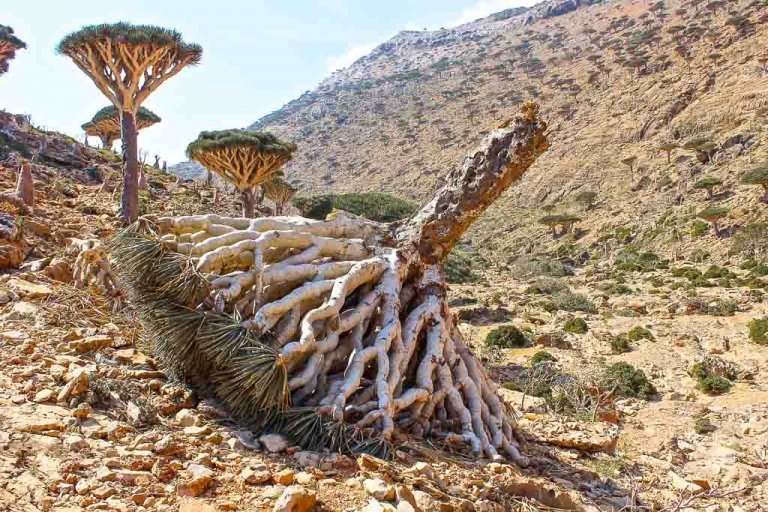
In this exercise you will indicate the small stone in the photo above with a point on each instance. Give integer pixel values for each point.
(274, 443)
(304, 478)
(82, 411)
(307, 459)
(187, 418)
(44, 395)
(167, 446)
(21, 310)
(284, 477)
(29, 290)
(103, 492)
(198, 431)
(379, 489)
(75, 443)
(255, 477)
(200, 479)
(376, 506)
(295, 499)
(76, 386)
(104, 474)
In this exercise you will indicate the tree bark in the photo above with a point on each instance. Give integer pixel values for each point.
(248, 197)
(473, 186)
(129, 208)
(107, 141)
(25, 185)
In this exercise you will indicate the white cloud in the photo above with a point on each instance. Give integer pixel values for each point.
(334, 62)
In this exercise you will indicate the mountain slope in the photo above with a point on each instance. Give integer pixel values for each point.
(615, 80)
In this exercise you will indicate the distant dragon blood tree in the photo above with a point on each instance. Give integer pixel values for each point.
(9, 43)
(337, 332)
(279, 192)
(244, 159)
(127, 62)
(106, 124)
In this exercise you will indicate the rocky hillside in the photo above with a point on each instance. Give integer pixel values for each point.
(617, 80)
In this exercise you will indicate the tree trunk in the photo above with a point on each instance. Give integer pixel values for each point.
(208, 179)
(129, 207)
(248, 198)
(278, 208)
(107, 141)
(359, 329)
(472, 187)
(25, 185)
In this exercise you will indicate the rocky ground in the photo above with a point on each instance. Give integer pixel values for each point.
(90, 421)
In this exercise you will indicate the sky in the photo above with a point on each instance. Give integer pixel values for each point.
(257, 56)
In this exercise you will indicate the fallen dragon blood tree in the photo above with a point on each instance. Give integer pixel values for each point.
(336, 333)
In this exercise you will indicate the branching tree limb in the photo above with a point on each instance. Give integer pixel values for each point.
(127, 62)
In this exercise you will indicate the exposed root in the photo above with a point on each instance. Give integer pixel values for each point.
(92, 266)
(360, 334)
(337, 329)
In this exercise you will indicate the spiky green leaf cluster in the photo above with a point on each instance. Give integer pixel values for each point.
(243, 367)
(133, 35)
(713, 212)
(214, 352)
(143, 116)
(7, 36)
(222, 139)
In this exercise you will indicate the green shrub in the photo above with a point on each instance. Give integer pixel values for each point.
(630, 260)
(699, 228)
(576, 325)
(506, 336)
(758, 330)
(714, 385)
(371, 205)
(525, 267)
(706, 381)
(689, 273)
(638, 333)
(715, 272)
(542, 356)
(460, 266)
(547, 286)
(620, 344)
(621, 289)
(628, 381)
(569, 301)
(702, 425)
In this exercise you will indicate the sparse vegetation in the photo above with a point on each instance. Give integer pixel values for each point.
(627, 381)
(506, 336)
(576, 325)
(758, 331)
(709, 184)
(374, 205)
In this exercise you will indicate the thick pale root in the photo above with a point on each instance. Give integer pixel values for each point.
(345, 319)
(92, 267)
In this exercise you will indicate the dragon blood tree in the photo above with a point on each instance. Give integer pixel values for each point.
(279, 192)
(127, 62)
(336, 333)
(9, 43)
(106, 124)
(244, 159)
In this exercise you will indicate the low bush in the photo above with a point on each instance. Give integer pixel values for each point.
(628, 381)
(525, 267)
(758, 330)
(570, 301)
(708, 382)
(371, 205)
(506, 336)
(547, 286)
(542, 356)
(576, 325)
(638, 333)
(620, 344)
(702, 425)
(461, 265)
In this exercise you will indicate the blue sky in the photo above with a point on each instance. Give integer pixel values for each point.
(257, 55)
